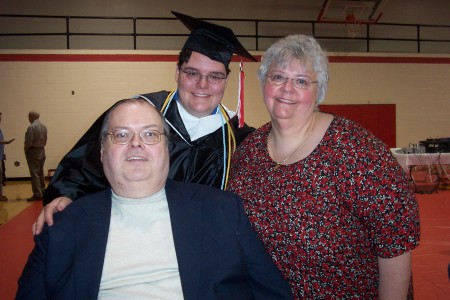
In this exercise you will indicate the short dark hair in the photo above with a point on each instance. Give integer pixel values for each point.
(185, 55)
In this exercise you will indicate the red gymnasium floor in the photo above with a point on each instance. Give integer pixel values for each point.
(430, 260)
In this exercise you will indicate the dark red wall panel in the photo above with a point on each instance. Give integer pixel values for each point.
(378, 118)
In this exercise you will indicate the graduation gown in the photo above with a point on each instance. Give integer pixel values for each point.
(80, 172)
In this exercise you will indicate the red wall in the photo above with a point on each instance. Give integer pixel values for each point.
(378, 118)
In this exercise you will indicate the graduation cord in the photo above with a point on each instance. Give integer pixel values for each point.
(231, 145)
(224, 171)
(165, 105)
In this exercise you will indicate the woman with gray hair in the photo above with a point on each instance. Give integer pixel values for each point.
(331, 204)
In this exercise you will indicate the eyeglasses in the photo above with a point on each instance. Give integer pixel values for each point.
(124, 136)
(196, 76)
(301, 82)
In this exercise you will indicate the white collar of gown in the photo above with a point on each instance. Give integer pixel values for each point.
(199, 127)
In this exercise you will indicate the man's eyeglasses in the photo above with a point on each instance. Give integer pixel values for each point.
(124, 136)
(301, 82)
(196, 76)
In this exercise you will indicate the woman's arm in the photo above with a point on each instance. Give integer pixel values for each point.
(395, 274)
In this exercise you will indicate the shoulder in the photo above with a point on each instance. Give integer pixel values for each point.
(261, 131)
(157, 98)
(87, 200)
(351, 131)
(87, 205)
(195, 189)
(241, 132)
(344, 124)
(347, 126)
(199, 193)
(255, 138)
(352, 141)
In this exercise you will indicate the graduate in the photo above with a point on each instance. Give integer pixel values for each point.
(203, 132)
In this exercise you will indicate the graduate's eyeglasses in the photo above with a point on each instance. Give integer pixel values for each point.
(196, 76)
(301, 82)
(124, 136)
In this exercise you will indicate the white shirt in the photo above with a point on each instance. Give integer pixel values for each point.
(140, 260)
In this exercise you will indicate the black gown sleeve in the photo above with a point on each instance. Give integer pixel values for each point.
(80, 172)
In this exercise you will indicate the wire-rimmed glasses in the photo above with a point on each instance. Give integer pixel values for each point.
(196, 76)
(125, 136)
(301, 82)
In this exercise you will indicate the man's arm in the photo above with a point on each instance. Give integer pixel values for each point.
(31, 282)
(28, 139)
(395, 274)
(6, 142)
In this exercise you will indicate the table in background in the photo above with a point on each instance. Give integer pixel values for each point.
(415, 159)
(437, 168)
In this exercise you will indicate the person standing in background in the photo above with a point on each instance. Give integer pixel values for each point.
(2, 164)
(35, 141)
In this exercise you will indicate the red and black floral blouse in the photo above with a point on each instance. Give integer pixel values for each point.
(326, 218)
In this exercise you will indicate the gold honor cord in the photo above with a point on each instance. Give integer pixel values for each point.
(167, 101)
(231, 144)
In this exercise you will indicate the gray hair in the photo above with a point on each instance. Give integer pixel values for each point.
(105, 125)
(304, 48)
(34, 114)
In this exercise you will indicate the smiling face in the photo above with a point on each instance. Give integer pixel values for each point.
(287, 102)
(201, 98)
(135, 170)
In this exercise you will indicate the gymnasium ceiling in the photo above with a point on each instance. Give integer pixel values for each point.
(431, 12)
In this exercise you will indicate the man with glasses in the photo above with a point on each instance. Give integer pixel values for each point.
(204, 132)
(148, 237)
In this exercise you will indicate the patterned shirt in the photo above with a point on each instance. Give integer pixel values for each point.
(325, 219)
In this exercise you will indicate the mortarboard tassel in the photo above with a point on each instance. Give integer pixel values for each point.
(240, 108)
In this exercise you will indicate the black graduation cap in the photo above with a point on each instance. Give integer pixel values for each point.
(215, 41)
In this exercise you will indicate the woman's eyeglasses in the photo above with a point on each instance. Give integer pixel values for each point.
(301, 82)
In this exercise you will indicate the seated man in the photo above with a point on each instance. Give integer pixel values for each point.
(149, 237)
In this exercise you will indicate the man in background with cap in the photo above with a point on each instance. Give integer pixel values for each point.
(203, 132)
